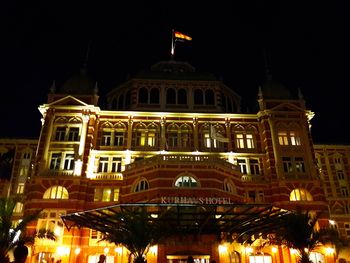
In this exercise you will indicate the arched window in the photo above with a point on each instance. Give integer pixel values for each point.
(56, 192)
(198, 97)
(182, 96)
(154, 96)
(121, 102)
(300, 194)
(139, 135)
(186, 181)
(170, 96)
(141, 185)
(209, 97)
(228, 186)
(185, 136)
(143, 95)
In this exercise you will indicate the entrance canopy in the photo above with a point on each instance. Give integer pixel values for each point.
(238, 220)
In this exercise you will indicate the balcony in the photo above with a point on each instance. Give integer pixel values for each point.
(171, 159)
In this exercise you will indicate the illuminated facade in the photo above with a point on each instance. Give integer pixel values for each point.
(173, 135)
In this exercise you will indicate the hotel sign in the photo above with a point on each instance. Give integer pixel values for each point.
(196, 200)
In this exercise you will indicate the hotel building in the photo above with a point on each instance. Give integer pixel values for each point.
(172, 135)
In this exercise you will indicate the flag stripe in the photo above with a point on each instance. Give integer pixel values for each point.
(179, 35)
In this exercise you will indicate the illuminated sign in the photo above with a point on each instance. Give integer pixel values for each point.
(195, 200)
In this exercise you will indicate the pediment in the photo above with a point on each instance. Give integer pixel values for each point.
(68, 101)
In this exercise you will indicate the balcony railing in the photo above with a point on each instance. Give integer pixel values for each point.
(182, 159)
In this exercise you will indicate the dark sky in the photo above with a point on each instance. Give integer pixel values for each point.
(307, 43)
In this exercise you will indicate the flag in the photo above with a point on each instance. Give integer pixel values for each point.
(179, 36)
(217, 136)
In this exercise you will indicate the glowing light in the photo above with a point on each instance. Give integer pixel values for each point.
(329, 250)
(222, 249)
(118, 250)
(218, 216)
(293, 251)
(78, 167)
(62, 251)
(332, 222)
(77, 251)
(274, 250)
(154, 215)
(106, 250)
(248, 250)
(154, 250)
(306, 250)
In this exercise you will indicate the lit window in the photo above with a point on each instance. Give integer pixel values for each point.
(18, 207)
(242, 165)
(186, 181)
(294, 138)
(106, 194)
(244, 140)
(300, 195)
(141, 185)
(299, 165)
(239, 140)
(250, 141)
(23, 171)
(206, 139)
(51, 221)
(56, 192)
(20, 188)
(151, 139)
(282, 138)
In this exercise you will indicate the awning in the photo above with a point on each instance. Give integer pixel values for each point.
(239, 220)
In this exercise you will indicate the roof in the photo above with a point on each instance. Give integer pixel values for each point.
(239, 219)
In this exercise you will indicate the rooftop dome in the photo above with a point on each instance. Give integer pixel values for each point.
(273, 89)
(78, 84)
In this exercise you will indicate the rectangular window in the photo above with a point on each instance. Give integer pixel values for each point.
(242, 165)
(103, 165)
(51, 220)
(294, 138)
(26, 156)
(69, 162)
(340, 175)
(141, 138)
(20, 188)
(116, 194)
(172, 139)
(344, 191)
(299, 165)
(106, 195)
(250, 141)
(151, 139)
(106, 138)
(116, 164)
(73, 134)
(119, 139)
(254, 167)
(60, 134)
(55, 162)
(287, 164)
(282, 138)
(207, 140)
(240, 140)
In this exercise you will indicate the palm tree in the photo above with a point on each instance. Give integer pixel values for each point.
(137, 231)
(298, 232)
(11, 234)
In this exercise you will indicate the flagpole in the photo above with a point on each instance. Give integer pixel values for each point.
(172, 45)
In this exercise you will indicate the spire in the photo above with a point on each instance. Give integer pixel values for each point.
(260, 94)
(96, 89)
(53, 86)
(84, 67)
(300, 95)
(268, 74)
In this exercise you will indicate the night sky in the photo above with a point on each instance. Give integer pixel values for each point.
(307, 45)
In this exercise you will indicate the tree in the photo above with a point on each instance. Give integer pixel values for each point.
(137, 231)
(297, 231)
(12, 233)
